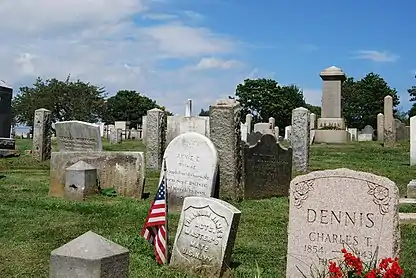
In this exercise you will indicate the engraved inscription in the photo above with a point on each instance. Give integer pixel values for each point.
(78, 144)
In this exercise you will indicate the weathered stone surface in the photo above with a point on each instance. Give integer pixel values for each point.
(217, 222)
(313, 121)
(411, 189)
(353, 134)
(365, 137)
(368, 129)
(42, 132)
(340, 208)
(78, 136)
(192, 164)
(123, 171)
(6, 94)
(401, 131)
(156, 136)
(7, 144)
(413, 140)
(90, 255)
(389, 128)
(144, 128)
(80, 181)
(380, 127)
(272, 123)
(225, 118)
(267, 169)
(254, 138)
(113, 136)
(177, 125)
(300, 138)
(331, 92)
(288, 132)
(244, 132)
(249, 120)
(263, 128)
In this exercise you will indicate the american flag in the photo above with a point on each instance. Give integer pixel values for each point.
(154, 229)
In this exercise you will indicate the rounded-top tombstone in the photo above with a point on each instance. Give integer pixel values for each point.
(191, 163)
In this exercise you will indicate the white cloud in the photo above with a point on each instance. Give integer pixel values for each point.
(215, 63)
(376, 56)
(101, 41)
(313, 96)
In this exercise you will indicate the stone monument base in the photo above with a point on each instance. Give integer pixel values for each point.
(331, 136)
(331, 122)
(7, 148)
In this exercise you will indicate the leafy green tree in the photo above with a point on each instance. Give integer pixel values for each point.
(364, 99)
(412, 94)
(67, 100)
(314, 109)
(204, 113)
(128, 106)
(265, 98)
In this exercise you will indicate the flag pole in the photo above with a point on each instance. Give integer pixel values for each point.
(166, 204)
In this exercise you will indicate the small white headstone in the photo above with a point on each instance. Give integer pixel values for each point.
(191, 162)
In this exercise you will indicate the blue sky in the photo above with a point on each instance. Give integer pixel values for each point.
(172, 50)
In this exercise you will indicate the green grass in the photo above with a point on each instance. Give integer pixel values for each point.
(33, 224)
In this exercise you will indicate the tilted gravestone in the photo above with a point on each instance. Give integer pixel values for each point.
(191, 162)
(90, 255)
(254, 138)
(334, 209)
(205, 236)
(80, 181)
(78, 136)
(267, 169)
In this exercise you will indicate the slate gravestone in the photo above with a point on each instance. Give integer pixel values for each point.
(80, 181)
(6, 94)
(90, 255)
(191, 162)
(78, 136)
(205, 236)
(340, 208)
(254, 138)
(267, 169)
(401, 131)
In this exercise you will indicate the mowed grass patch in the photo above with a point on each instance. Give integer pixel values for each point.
(33, 224)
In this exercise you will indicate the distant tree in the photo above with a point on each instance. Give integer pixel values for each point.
(67, 100)
(265, 98)
(412, 94)
(314, 109)
(364, 99)
(204, 112)
(128, 106)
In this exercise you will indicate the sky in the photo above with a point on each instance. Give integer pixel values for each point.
(174, 50)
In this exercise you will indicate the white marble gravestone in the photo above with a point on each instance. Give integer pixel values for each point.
(191, 162)
(205, 236)
(340, 208)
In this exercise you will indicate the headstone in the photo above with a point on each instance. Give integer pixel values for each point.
(333, 209)
(205, 236)
(263, 128)
(224, 121)
(276, 132)
(244, 132)
(413, 141)
(249, 120)
(353, 134)
(380, 127)
(42, 131)
(313, 120)
(155, 138)
(267, 169)
(78, 136)
(113, 136)
(6, 94)
(120, 125)
(80, 181)
(368, 129)
(312, 136)
(411, 189)
(119, 134)
(188, 108)
(300, 138)
(90, 255)
(191, 162)
(365, 137)
(254, 138)
(288, 132)
(272, 122)
(401, 131)
(389, 128)
(144, 128)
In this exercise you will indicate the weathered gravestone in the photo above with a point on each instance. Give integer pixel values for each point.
(254, 138)
(78, 136)
(42, 129)
(333, 209)
(191, 162)
(89, 255)
(80, 181)
(205, 236)
(267, 169)
(368, 129)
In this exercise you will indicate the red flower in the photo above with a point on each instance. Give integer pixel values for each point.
(371, 274)
(353, 262)
(334, 270)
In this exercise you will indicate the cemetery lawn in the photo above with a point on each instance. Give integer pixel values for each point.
(33, 224)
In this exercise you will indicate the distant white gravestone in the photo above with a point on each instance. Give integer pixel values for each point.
(78, 136)
(191, 162)
(334, 209)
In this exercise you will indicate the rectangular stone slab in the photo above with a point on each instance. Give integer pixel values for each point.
(123, 171)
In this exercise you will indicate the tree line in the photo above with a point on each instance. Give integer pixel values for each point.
(362, 100)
